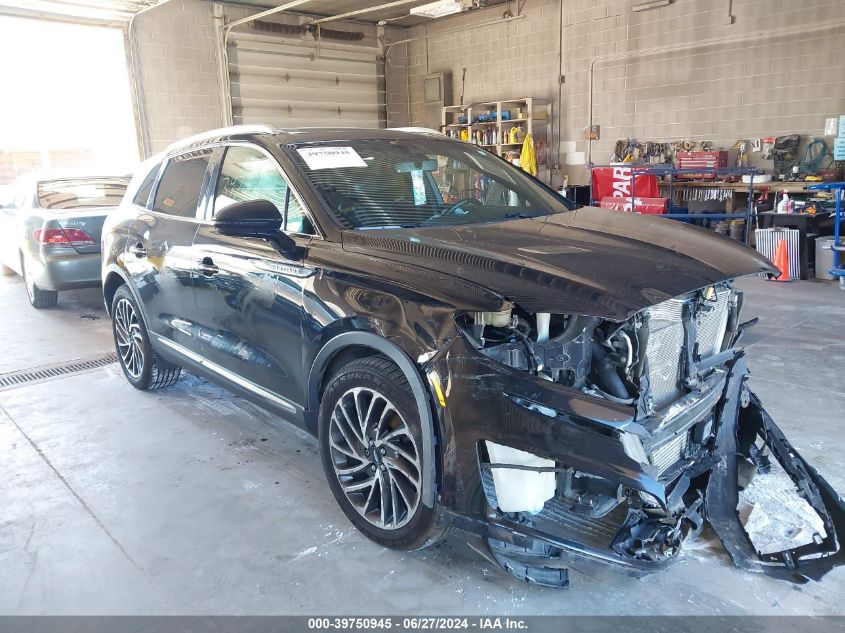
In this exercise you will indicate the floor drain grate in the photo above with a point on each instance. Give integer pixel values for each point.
(37, 374)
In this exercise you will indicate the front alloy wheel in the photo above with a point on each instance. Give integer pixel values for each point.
(371, 447)
(375, 458)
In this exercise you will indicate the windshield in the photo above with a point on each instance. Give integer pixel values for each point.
(81, 192)
(374, 184)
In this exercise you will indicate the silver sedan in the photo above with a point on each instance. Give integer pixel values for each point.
(50, 233)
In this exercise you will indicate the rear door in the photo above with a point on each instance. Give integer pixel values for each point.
(159, 249)
(249, 296)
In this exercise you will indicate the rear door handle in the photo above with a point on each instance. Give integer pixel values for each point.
(138, 250)
(206, 267)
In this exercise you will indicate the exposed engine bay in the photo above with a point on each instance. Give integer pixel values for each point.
(634, 362)
(677, 367)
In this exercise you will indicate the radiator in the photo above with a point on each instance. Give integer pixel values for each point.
(670, 452)
(767, 244)
(666, 342)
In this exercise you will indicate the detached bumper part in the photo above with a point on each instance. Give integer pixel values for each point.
(743, 430)
(535, 564)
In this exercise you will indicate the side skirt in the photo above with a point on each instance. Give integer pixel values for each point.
(247, 389)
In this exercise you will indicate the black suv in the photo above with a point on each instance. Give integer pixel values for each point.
(470, 348)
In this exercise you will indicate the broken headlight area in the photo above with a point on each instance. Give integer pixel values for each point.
(649, 361)
(701, 448)
(667, 363)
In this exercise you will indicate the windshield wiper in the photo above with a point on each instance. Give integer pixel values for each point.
(388, 226)
(521, 215)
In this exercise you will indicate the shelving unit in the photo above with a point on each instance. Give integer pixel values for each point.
(533, 115)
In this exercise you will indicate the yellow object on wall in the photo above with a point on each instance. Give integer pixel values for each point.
(528, 157)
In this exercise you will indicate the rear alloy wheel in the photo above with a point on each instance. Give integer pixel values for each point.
(370, 442)
(39, 299)
(142, 367)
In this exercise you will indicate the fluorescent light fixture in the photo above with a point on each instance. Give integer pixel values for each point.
(651, 4)
(437, 9)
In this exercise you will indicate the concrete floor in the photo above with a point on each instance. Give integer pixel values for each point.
(191, 501)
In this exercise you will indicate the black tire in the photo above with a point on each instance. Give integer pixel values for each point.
(143, 368)
(412, 528)
(39, 299)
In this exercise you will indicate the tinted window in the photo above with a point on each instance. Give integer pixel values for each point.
(75, 193)
(143, 195)
(371, 184)
(179, 189)
(248, 174)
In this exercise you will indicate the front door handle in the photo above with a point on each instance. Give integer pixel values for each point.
(138, 250)
(206, 267)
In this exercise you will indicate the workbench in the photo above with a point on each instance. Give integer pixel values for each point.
(729, 191)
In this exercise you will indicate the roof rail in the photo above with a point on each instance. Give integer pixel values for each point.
(223, 131)
(417, 130)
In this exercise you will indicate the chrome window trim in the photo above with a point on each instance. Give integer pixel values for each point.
(228, 375)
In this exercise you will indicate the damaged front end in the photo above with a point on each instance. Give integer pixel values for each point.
(618, 441)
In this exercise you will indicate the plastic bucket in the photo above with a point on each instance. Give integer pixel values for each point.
(824, 258)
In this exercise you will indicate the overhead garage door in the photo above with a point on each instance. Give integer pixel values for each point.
(287, 84)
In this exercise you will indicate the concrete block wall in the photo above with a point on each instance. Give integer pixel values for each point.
(174, 55)
(509, 60)
(754, 86)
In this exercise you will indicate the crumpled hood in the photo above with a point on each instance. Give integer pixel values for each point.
(592, 262)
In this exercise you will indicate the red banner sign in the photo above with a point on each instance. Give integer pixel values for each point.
(616, 182)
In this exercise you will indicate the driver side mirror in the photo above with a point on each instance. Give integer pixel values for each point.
(255, 218)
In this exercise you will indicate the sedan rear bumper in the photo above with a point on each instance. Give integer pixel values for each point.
(66, 271)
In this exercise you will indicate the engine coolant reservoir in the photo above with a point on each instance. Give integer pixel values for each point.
(496, 319)
(520, 490)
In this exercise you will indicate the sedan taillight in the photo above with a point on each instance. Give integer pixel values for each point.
(63, 237)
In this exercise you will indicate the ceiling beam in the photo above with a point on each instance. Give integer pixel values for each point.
(352, 14)
(292, 4)
(87, 20)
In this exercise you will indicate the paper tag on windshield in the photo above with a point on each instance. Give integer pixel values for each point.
(331, 157)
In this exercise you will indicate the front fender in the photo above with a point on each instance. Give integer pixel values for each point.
(422, 396)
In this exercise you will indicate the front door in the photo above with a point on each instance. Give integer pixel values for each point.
(249, 296)
(159, 250)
